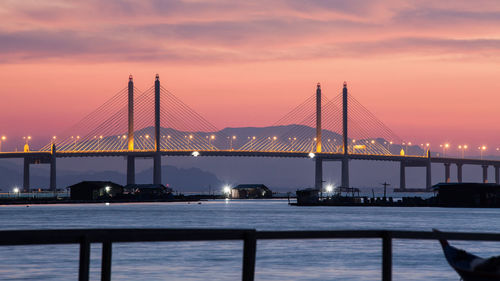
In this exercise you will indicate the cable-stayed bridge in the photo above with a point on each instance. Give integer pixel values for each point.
(155, 123)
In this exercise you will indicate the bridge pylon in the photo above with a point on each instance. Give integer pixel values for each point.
(345, 142)
(157, 154)
(318, 179)
(130, 158)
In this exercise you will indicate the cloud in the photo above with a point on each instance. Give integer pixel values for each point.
(207, 31)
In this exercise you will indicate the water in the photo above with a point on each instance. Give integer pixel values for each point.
(276, 260)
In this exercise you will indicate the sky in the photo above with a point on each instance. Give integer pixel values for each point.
(428, 69)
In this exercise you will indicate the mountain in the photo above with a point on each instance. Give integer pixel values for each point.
(180, 179)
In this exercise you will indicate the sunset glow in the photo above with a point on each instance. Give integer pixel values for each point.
(428, 70)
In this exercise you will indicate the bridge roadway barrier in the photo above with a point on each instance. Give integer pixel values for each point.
(85, 237)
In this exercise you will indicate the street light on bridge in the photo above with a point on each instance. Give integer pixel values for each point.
(481, 149)
(444, 147)
(231, 139)
(463, 148)
(2, 140)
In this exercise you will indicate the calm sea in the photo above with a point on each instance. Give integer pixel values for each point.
(276, 260)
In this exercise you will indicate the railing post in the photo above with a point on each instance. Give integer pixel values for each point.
(249, 253)
(83, 273)
(106, 261)
(386, 256)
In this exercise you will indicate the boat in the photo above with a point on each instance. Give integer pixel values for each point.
(471, 267)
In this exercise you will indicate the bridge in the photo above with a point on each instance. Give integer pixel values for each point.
(155, 123)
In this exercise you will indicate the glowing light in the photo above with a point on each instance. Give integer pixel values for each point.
(16, 190)
(107, 203)
(234, 137)
(226, 189)
(212, 137)
(195, 153)
(107, 188)
(275, 138)
(147, 136)
(373, 141)
(4, 138)
(329, 188)
(446, 145)
(312, 155)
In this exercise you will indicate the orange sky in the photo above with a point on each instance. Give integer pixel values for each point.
(430, 71)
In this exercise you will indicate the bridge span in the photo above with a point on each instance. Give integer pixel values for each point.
(322, 135)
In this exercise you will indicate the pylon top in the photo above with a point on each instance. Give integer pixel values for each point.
(319, 85)
(345, 84)
(130, 77)
(157, 77)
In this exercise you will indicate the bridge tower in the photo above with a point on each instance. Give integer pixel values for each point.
(157, 155)
(318, 180)
(345, 142)
(130, 157)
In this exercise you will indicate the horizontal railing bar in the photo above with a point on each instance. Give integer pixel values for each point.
(74, 236)
(65, 236)
(395, 234)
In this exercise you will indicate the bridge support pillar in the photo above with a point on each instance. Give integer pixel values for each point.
(53, 182)
(447, 172)
(345, 172)
(497, 174)
(402, 175)
(157, 168)
(428, 176)
(318, 179)
(485, 173)
(130, 169)
(428, 172)
(26, 174)
(459, 172)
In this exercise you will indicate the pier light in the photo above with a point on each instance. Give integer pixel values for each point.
(195, 153)
(329, 188)
(312, 155)
(212, 137)
(4, 138)
(275, 138)
(226, 189)
(373, 141)
(147, 136)
(107, 188)
(16, 190)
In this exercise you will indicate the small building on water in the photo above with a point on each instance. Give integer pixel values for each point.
(148, 191)
(468, 194)
(94, 190)
(251, 191)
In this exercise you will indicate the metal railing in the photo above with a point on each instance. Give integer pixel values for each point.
(85, 237)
